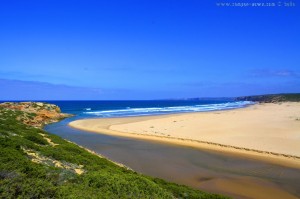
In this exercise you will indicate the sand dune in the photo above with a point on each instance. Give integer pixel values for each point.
(261, 130)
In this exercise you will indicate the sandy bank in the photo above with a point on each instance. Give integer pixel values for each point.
(259, 131)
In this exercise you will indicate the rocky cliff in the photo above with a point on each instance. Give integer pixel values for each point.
(35, 114)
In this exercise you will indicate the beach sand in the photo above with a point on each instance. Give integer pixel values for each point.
(268, 132)
(261, 131)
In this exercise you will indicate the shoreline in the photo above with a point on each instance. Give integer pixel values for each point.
(132, 127)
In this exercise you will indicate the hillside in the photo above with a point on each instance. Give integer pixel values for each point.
(272, 98)
(36, 164)
(35, 114)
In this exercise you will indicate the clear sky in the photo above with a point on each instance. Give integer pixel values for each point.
(146, 49)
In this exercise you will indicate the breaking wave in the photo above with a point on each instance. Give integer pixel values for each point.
(167, 110)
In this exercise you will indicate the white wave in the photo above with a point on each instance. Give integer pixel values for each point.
(175, 109)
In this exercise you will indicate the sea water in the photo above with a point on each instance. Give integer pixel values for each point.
(102, 109)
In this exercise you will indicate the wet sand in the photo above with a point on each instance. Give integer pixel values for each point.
(263, 131)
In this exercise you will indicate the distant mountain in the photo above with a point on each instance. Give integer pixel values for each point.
(272, 98)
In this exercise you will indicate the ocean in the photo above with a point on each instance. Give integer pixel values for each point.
(103, 109)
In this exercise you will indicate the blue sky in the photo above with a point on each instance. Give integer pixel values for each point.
(146, 49)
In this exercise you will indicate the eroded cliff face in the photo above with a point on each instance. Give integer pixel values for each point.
(35, 114)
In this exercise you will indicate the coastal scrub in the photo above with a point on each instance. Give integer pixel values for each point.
(36, 164)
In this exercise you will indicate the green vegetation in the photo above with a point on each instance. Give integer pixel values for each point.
(36, 164)
(273, 98)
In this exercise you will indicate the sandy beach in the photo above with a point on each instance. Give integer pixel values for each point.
(265, 131)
